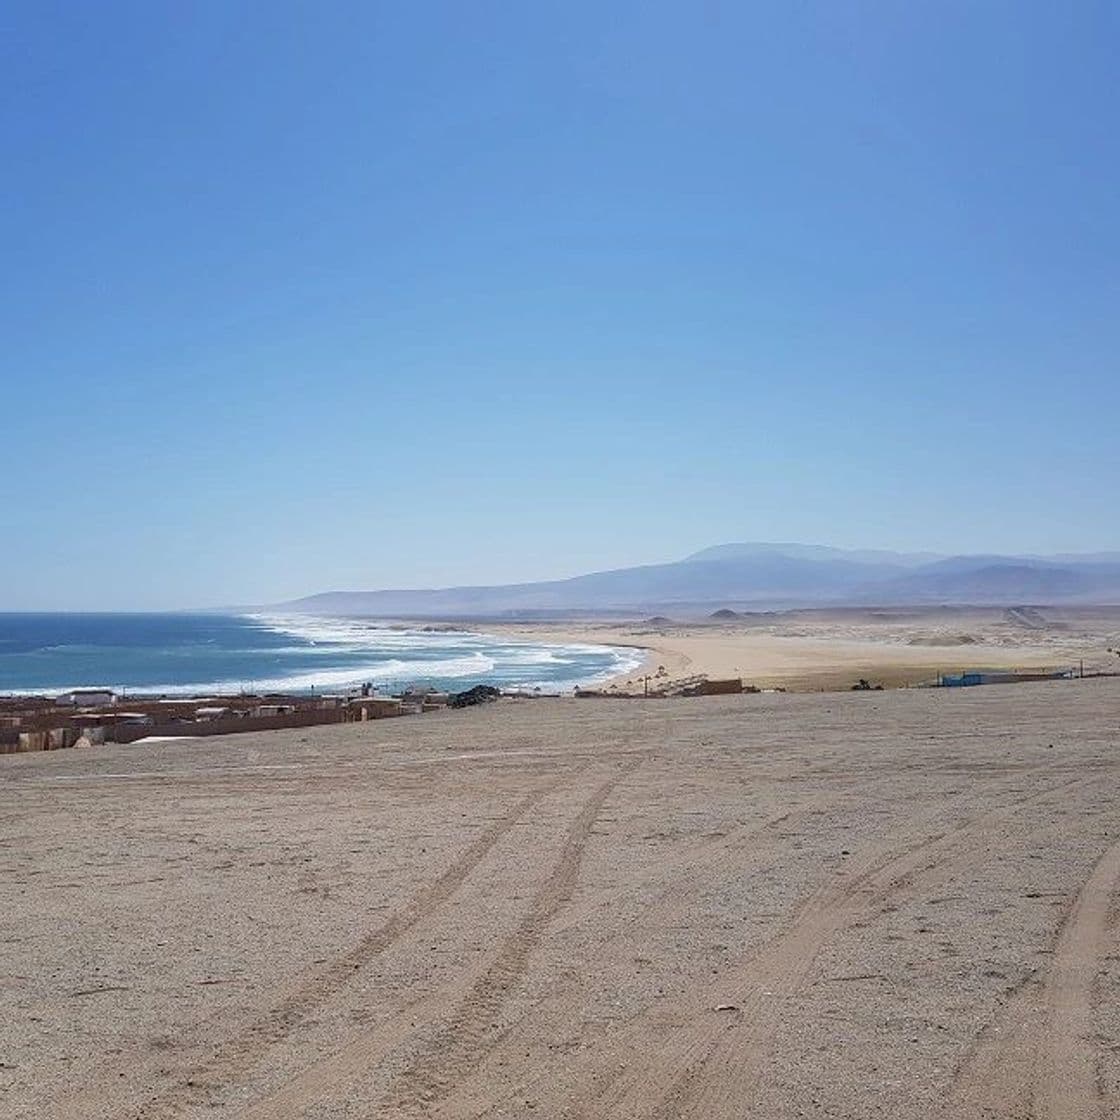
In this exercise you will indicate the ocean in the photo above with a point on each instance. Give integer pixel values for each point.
(203, 653)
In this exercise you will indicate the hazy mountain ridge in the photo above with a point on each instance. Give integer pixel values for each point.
(816, 552)
(762, 576)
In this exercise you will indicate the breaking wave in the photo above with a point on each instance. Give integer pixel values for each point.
(194, 655)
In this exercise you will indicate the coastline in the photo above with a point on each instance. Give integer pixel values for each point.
(829, 650)
(173, 654)
(797, 650)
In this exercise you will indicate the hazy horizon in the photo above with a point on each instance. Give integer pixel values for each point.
(917, 558)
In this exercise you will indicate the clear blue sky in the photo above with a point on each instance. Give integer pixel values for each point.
(313, 296)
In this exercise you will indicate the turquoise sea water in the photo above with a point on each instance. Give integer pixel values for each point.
(195, 653)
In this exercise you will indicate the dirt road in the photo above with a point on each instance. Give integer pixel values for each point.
(897, 904)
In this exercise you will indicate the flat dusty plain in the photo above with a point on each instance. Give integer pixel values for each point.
(898, 904)
(819, 649)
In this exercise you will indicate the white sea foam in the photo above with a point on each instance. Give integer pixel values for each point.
(395, 657)
(356, 632)
(626, 660)
(527, 656)
(507, 662)
(392, 671)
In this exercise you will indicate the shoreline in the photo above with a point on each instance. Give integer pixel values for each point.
(805, 650)
(813, 651)
(310, 657)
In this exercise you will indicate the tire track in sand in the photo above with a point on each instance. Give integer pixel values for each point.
(238, 1054)
(464, 1036)
(711, 1065)
(334, 1074)
(470, 1032)
(733, 1070)
(1039, 1053)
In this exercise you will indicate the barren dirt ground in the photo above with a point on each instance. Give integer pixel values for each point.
(897, 904)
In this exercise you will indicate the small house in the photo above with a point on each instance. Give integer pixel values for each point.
(269, 711)
(87, 698)
(208, 713)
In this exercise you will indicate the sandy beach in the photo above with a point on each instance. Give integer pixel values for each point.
(812, 650)
(892, 904)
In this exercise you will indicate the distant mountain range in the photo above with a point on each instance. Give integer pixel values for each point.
(757, 576)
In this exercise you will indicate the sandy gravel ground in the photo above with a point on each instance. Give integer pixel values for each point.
(897, 904)
(829, 649)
